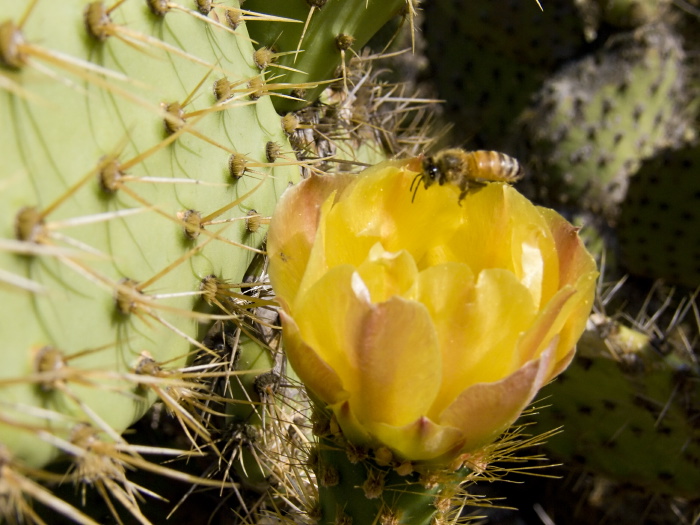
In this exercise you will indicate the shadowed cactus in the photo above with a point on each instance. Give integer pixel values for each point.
(488, 58)
(658, 231)
(595, 121)
(610, 138)
(637, 426)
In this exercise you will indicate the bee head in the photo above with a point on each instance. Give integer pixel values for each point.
(428, 175)
(430, 171)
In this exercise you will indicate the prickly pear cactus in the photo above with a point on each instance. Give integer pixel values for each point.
(636, 426)
(595, 121)
(118, 200)
(141, 156)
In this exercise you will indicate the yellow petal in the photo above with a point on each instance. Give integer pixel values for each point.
(557, 322)
(578, 313)
(576, 267)
(485, 410)
(398, 359)
(421, 440)
(425, 326)
(318, 376)
(379, 209)
(479, 327)
(386, 274)
(502, 229)
(574, 259)
(566, 313)
(316, 264)
(330, 315)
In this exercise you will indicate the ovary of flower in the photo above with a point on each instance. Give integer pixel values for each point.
(426, 327)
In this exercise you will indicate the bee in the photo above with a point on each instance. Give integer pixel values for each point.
(467, 170)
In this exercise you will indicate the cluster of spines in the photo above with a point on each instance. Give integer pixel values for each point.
(313, 53)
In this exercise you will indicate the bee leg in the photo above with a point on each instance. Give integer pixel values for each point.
(462, 194)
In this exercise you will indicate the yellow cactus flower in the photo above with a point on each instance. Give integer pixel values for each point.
(426, 326)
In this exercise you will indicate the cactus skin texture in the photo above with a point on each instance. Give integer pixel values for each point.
(77, 327)
(333, 26)
(637, 425)
(371, 494)
(658, 229)
(595, 121)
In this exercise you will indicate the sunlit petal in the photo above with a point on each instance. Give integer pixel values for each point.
(398, 363)
(387, 274)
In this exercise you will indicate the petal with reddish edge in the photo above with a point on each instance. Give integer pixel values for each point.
(320, 378)
(399, 365)
(547, 325)
(293, 229)
(577, 267)
(485, 410)
(317, 265)
(578, 314)
(557, 321)
(574, 259)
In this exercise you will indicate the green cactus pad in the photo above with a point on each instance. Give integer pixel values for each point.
(116, 202)
(627, 412)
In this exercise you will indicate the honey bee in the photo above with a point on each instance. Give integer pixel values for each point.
(467, 170)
